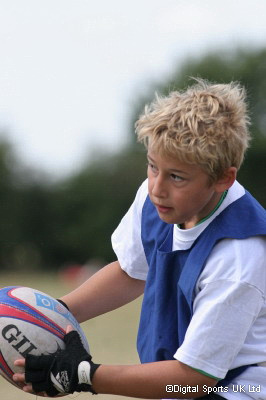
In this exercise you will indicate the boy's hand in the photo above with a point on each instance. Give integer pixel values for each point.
(65, 371)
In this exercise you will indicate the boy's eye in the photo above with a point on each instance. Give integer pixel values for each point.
(176, 178)
(152, 166)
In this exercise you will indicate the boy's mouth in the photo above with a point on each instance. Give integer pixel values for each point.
(162, 209)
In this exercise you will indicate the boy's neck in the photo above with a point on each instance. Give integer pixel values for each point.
(223, 196)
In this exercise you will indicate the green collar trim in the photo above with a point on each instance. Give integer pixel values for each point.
(215, 209)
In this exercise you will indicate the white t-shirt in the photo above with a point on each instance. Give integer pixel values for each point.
(228, 327)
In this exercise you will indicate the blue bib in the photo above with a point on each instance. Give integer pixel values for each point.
(170, 287)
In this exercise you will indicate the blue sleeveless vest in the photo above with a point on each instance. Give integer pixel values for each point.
(169, 293)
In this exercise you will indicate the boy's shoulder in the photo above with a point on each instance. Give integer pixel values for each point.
(245, 217)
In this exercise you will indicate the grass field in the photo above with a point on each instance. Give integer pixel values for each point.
(111, 337)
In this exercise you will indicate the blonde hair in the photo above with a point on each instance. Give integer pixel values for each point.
(206, 125)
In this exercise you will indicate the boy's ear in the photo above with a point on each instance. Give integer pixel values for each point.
(227, 180)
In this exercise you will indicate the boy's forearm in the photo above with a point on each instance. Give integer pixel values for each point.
(164, 379)
(106, 290)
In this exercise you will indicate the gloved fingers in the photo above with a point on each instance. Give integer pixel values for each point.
(38, 363)
(35, 376)
(37, 372)
(43, 387)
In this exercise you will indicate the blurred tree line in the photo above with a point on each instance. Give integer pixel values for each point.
(48, 224)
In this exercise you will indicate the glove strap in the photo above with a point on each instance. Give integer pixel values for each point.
(86, 370)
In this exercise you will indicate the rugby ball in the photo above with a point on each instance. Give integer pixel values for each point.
(31, 322)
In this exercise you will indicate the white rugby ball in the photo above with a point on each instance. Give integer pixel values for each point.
(31, 322)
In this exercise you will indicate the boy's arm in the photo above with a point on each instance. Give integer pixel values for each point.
(163, 379)
(106, 290)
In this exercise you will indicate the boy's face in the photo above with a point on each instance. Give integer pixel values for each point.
(181, 192)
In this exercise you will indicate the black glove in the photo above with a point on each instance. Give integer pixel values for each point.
(63, 303)
(65, 371)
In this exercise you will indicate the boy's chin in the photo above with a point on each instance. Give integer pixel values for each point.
(168, 219)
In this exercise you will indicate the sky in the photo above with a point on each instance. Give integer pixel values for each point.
(70, 70)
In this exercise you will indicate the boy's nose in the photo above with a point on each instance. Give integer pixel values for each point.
(159, 187)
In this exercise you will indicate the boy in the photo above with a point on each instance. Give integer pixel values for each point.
(194, 242)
